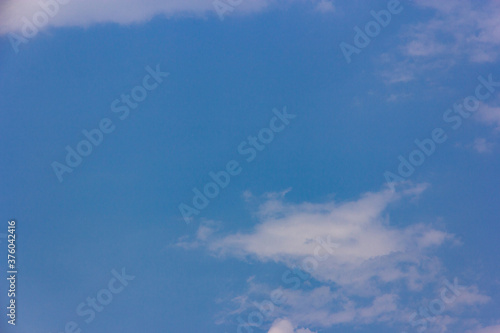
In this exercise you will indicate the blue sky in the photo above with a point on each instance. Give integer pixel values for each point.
(309, 228)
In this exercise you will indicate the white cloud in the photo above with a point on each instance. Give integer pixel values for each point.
(206, 229)
(470, 296)
(398, 74)
(481, 145)
(281, 326)
(377, 260)
(488, 329)
(454, 32)
(325, 6)
(323, 307)
(459, 27)
(489, 115)
(85, 13)
(398, 71)
(397, 97)
(285, 326)
(370, 247)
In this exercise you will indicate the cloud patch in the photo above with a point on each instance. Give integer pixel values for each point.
(460, 27)
(369, 246)
(285, 326)
(377, 264)
(79, 13)
(86, 13)
(481, 145)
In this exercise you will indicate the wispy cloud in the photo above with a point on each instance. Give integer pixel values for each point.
(285, 326)
(481, 145)
(454, 32)
(489, 115)
(370, 247)
(85, 13)
(325, 6)
(362, 279)
(488, 329)
(459, 28)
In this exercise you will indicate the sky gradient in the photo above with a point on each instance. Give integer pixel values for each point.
(186, 166)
